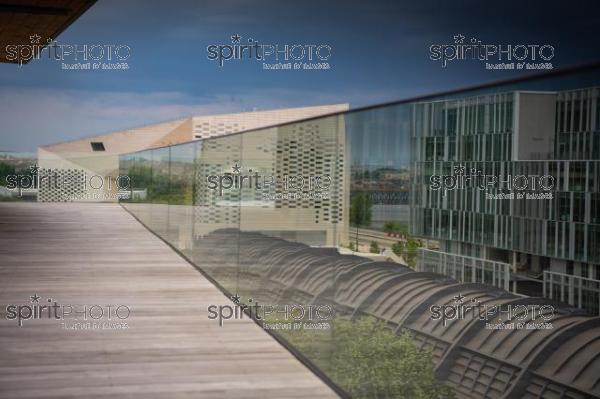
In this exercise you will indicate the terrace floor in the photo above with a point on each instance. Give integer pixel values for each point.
(99, 254)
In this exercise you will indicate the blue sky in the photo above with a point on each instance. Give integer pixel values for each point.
(380, 53)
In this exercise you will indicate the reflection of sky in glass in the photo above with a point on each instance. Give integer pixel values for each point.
(585, 78)
(379, 137)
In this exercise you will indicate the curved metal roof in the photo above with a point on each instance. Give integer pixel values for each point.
(478, 361)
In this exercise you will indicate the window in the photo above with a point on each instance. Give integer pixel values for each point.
(97, 146)
(551, 237)
(595, 208)
(578, 207)
(452, 149)
(563, 212)
(584, 115)
(585, 270)
(577, 176)
(452, 121)
(488, 229)
(568, 116)
(439, 149)
(429, 148)
(445, 224)
(560, 116)
(569, 267)
(509, 117)
(481, 119)
(576, 115)
(594, 244)
(596, 145)
(580, 241)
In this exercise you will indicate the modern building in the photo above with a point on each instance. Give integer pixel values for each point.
(87, 169)
(500, 145)
(476, 361)
(295, 184)
(406, 164)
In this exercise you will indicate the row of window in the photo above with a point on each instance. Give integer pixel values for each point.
(478, 115)
(577, 176)
(576, 241)
(480, 147)
(563, 206)
(582, 145)
(578, 111)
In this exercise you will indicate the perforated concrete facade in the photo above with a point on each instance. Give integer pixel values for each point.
(78, 155)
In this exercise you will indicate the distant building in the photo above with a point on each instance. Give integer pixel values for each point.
(87, 169)
(552, 245)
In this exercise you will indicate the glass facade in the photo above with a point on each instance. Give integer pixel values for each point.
(526, 130)
(328, 215)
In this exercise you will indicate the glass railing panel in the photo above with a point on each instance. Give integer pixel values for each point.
(216, 213)
(349, 258)
(181, 196)
(137, 168)
(159, 190)
(18, 176)
(291, 227)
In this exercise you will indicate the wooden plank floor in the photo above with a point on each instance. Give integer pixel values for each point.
(99, 254)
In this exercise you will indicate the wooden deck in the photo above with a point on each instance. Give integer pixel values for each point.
(99, 254)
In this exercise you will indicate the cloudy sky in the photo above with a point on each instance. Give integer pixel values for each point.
(380, 52)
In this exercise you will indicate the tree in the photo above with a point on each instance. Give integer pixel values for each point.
(412, 250)
(408, 251)
(398, 248)
(6, 169)
(395, 227)
(388, 227)
(371, 361)
(374, 249)
(368, 360)
(360, 211)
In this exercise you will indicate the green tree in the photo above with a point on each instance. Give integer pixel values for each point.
(140, 176)
(411, 252)
(5, 170)
(360, 211)
(398, 248)
(388, 226)
(395, 227)
(371, 361)
(368, 360)
(374, 249)
(408, 250)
